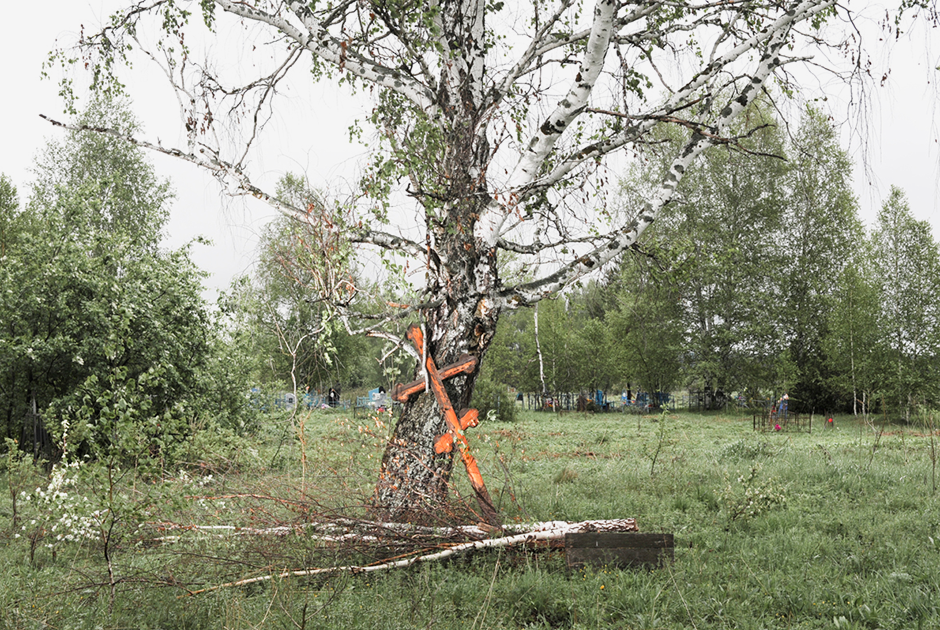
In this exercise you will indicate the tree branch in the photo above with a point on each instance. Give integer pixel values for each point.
(776, 37)
(315, 38)
(230, 174)
(543, 141)
(547, 532)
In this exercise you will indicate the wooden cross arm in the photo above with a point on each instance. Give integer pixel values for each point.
(455, 427)
(465, 365)
(468, 418)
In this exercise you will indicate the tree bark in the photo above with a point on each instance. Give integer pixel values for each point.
(414, 479)
(461, 277)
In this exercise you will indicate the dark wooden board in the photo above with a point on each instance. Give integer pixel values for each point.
(618, 549)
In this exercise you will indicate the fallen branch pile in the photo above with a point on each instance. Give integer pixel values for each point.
(350, 530)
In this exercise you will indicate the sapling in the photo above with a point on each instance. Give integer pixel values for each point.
(61, 514)
(933, 452)
(19, 466)
(660, 442)
(114, 425)
(756, 498)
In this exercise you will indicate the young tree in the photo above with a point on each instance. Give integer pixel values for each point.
(497, 121)
(820, 231)
(853, 342)
(907, 261)
(295, 330)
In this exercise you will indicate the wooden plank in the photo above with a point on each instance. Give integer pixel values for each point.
(618, 549)
(620, 539)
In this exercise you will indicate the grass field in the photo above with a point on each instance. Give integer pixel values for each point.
(838, 528)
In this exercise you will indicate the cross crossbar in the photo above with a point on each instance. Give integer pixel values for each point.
(464, 365)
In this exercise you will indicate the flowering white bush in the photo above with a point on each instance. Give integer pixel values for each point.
(65, 516)
(195, 482)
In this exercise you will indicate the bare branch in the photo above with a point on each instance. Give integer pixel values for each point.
(626, 236)
(487, 228)
(555, 531)
(315, 38)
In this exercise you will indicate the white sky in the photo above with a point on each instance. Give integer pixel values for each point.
(903, 134)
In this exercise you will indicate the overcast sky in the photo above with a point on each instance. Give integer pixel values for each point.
(320, 149)
(903, 133)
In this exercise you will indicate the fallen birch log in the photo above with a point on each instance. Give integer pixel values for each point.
(541, 532)
(342, 530)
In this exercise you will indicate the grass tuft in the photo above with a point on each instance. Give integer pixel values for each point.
(566, 475)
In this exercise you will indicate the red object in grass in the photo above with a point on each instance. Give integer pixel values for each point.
(776, 427)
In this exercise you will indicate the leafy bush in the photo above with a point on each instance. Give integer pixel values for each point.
(757, 497)
(494, 401)
(215, 448)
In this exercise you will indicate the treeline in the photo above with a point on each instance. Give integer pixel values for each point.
(760, 280)
(104, 335)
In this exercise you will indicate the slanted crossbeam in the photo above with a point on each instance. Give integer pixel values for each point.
(465, 365)
(468, 418)
(455, 434)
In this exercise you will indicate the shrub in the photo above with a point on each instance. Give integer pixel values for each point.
(745, 450)
(756, 498)
(214, 448)
(491, 397)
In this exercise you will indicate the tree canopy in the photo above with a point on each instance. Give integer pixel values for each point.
(93, 310)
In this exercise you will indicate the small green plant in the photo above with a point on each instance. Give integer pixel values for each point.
(19, 468)
(566, 475)
(656, 450)
(745, 450)
(755, 498)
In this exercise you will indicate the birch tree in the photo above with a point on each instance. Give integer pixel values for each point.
(721, 241)
(496, 124)
(820, 229)
(907, 261)
(853, 343)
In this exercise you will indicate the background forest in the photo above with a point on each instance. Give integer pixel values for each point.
(759, 280)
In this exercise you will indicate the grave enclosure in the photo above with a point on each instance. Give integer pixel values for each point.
(782, 421)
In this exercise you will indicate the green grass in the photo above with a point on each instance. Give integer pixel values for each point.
(841, 530)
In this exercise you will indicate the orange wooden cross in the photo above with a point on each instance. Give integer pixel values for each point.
(464, 365)
(455, 434)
